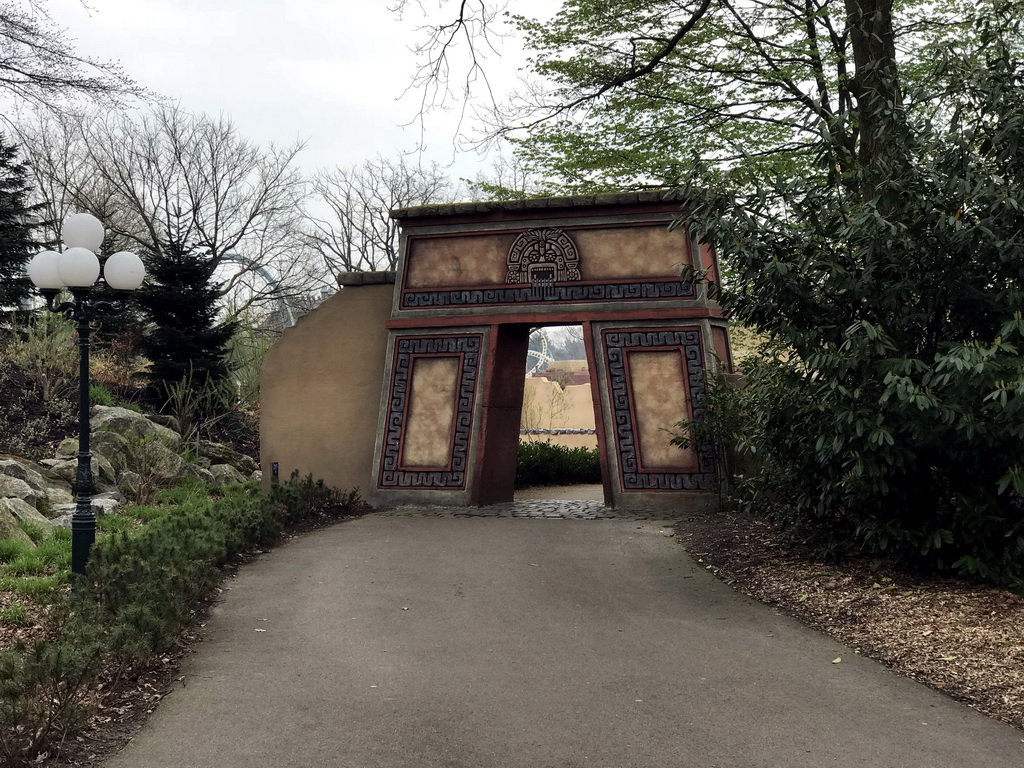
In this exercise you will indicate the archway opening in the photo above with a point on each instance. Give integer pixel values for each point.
(558, 456)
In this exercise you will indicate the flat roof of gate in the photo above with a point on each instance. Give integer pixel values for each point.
(668, 199)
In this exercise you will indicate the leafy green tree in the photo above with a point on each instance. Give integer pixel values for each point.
(17, 240)
(181, 300)
(630, 93)
(889, 416)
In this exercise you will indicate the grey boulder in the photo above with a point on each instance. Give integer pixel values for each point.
(47, 486)
(225, 474)
(200, 472)
(133, 426)
(103, 473)
(100, 505)
(218, 453)
(13, 488)
(164, 421)
(115, 447)
(159, 462)
(9, 528)
(21, 510)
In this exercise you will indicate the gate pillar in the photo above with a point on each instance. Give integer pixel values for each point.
(648, 378)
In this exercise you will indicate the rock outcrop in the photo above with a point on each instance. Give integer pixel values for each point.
(24, 512)
(225, 474)
(130, 424)
(130, 452)
(218, 453)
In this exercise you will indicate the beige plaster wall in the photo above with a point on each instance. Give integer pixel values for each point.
(547, 406)
(320, 389)
(605, 254)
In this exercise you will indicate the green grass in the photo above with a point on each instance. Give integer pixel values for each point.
(189, 493)
(50, 555)
(11, 550)
(115, 522)
(14, 616)
(35, 532)
(30, 563)
(100, 395)
(37, 587)
(147, 513)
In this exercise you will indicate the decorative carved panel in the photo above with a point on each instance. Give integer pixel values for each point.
(466, 350)
(626, 290)
(634, 477)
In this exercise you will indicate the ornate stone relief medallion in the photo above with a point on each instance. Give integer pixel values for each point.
(541, 258)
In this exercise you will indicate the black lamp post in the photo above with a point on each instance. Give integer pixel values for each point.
(78, 269)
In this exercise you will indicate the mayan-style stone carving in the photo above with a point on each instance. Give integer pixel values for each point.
(392, 473)
(543, 257)
(634, 478)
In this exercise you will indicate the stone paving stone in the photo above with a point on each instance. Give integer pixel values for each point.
(534, 510)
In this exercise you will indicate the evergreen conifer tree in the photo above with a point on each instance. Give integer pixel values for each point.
(180, 298)
(17, 243)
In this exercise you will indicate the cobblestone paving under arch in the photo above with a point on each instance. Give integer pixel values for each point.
(544, 509)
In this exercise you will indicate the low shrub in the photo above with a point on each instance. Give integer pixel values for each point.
(144, 584)
(42, 686)
(100, 395)
(540, 463)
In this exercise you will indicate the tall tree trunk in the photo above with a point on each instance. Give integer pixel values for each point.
(876, 87)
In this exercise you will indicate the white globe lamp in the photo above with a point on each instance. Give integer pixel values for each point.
(82, 230)
(42, 271)
(123, 271)
(78, 267)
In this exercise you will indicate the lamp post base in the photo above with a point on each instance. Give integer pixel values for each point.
(83, 534)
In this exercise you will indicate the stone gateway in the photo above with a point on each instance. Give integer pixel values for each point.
(409, 385)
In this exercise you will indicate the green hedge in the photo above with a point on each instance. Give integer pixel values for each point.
(547, 464)
(141, 589)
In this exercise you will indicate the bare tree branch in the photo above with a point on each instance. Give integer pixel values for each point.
(355, 231)
(167, 171)
(39, 67)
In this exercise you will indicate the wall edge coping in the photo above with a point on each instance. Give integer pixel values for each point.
(645, 197)
(351, 279)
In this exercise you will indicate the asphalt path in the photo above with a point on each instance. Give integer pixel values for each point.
(415, 642)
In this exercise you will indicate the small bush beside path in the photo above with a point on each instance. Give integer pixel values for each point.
(150, 573)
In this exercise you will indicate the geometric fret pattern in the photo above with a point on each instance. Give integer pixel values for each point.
(616, 345)
(392, 474)
(631, 290)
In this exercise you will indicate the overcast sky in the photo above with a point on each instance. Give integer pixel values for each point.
(330, 72)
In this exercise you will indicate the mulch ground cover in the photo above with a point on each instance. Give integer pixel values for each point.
(961, 638)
